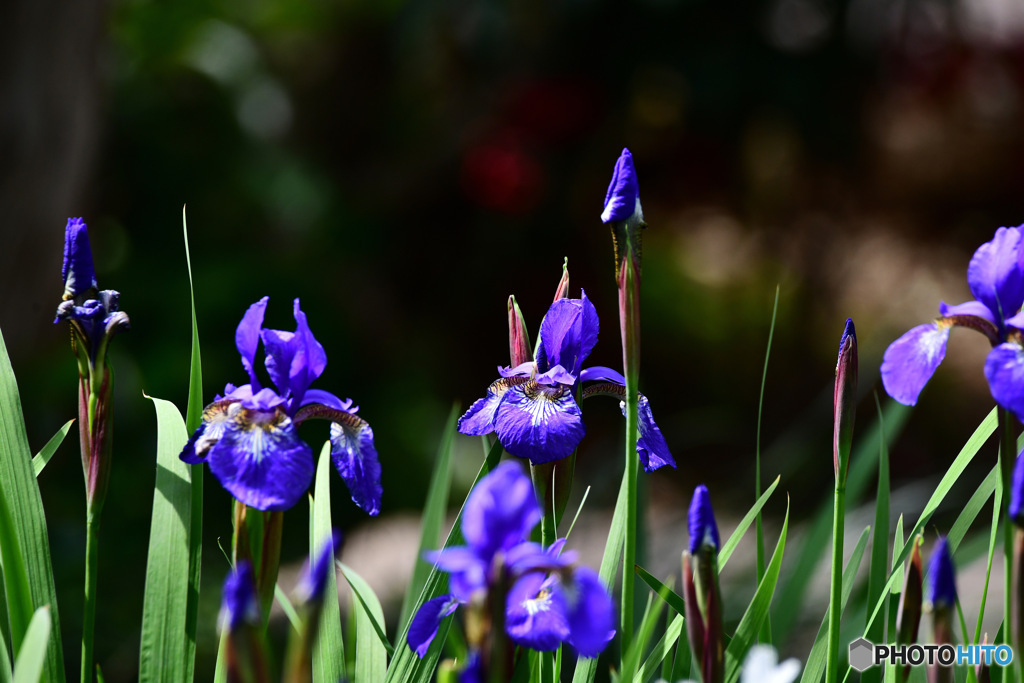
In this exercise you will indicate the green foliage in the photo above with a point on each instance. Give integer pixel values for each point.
(28, 668)
(40, 459)
(329, 647)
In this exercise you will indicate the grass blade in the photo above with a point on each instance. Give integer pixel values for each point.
(586, 667)
(674, 600)
(25, 505)
(193, 417)
(766, 631)
(163, 653)
(815, 665)
(997, 507)
(433, 515)
(878, 566)
(650, 619)
(972, 509)
(752, 620)
(29, 666)
(405, 666)
(42, 457)
(660, 651)
(373, 616)
(329, 648)
(734, 540)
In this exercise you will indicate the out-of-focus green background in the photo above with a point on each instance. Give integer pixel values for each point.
(402, 167)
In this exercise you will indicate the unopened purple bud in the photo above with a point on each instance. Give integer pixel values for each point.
(941, 576)
(845, 407)
(78, 272)
(622, 200)
(703, 529)
(314, 579)
(240, 604)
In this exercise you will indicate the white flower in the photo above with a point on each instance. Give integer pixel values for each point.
(762, 666)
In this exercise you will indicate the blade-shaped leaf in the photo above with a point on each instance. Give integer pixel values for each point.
(40, 459)
(28, 667)
(674, 600)
(164, 653)
(650, 619)
(660, 651)
(329, 648)
(878, 566)
(737, 535)
(757, 611)
(372, 646)
(433, 515)
(18, 482)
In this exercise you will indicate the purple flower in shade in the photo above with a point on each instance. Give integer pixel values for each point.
(941, 589)
(622, 200)
(996, 279)
(249, 436)
(313, 579)
(533, 407)
(550, 601)
(240, 604)
(703, 528)
(1017, 492)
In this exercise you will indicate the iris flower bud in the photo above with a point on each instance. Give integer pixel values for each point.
(701, 593)
(845, 402)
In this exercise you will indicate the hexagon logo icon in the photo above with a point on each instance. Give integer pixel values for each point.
(862, 654)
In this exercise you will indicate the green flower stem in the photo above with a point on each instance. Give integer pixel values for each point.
(92, 527)
(836, 595)
(629, 315)
(1007, 457)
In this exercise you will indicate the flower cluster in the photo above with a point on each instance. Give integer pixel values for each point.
(249, 435)
(533, 407)
(996, 279)
(549, 601)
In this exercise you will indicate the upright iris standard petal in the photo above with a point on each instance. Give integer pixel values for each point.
(539, 422)
(941, 590)
(240, 604)
(568, 334)
(426, 622)
(294, 359)
(623, 196)
(501, 511)
(261, 460)
(703, 528)
(995, 276)
(78, 272)
(536, 613)
(1004, 370)
(911, 360)
(650, 445)
(591, 612)
(247, 337)
(1017, 492)
(355, 457)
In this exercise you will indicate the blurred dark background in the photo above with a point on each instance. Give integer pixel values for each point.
(402, 167)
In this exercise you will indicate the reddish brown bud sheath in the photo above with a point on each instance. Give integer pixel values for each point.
(518, 338)
(845, 405)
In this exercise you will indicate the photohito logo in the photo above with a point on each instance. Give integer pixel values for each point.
(864, 654)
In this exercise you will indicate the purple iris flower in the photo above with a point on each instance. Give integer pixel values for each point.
(77, 272)
(1017, 492)
(996, 279)
(941, 576)
(551, 600)
(249, 436)
(313, 579)
(533, 407)
(703, 528)
(240, 604)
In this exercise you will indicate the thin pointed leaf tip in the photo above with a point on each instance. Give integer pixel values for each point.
(623, 197)
(941, 576)
(703, 528)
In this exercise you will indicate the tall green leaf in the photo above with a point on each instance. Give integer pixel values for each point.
(737, 535)
(16, 585)
(878, 567)
(661, 650)
(405, 666)
(28, 667)
(766, 631)
(329, 648)
(18, 482)
(42, 457)
(193, 418)
(433, 515)
(371, 642)
(163, 651)
(752, 620)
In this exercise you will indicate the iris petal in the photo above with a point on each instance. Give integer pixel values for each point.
(247, 337)
(975, 308)
(1004, 370)
(426, 622)
(294, 359)
(539, 422)
(468, 572)
(623, 196)
(479, 419)
(501, 511)
(650, 444)
(355, 458)
(215, 419)
(535, 614)
(568, 334)
(591, 613)
(994, 273)
(598, 373)
(911, 360)
(261, 460)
